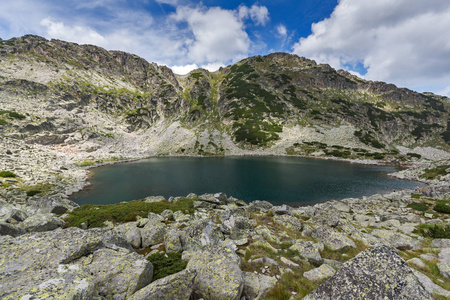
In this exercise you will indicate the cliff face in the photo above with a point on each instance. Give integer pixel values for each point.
(90, 98)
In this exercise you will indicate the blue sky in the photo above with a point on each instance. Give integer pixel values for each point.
(405, 42)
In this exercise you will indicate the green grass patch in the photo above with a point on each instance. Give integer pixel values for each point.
(434, 231)
(3, 121)
(7, 174)
(12, 114)
(416, 196)
(435, 172)
(292, 282)
(96, 215)
(420, 206)
(166, 264)
(442, 207)
(339, 256)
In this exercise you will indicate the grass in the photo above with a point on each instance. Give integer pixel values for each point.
(434, 231)
(344, 255)
(435, 172)
(442, 207)
(291, 282)
(96, 215)
(166, 264)
(420, 206)
(7, 174)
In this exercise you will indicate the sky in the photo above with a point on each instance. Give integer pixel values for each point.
(405, 42)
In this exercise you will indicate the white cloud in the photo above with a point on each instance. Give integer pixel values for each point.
(217, 34)
(183, 70)
(212, 67)
(258, 14)
(78, 34)
(405, 41)
(282, 31)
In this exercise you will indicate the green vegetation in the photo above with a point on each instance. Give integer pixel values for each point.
(368, 139)
(414, 155)
(3, 121)
(96, 215)
(420, 206)
(12, 114)
(7, 174)
(434, 231)
(166, 264)
(442, 207)
(38, 189)
(435, 172)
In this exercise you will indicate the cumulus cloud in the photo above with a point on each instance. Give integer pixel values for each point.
(258, 14)
(217, 34)
(405, 42)
(282, 31)
(183, 70)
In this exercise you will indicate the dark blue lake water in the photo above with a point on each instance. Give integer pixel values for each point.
(290, 180)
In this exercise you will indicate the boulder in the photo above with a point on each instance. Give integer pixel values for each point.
(176, 286)
(9, 229)
(256, 286)
(267, 234)
(62, 263)
(172, 242)
(153, 232)
(378, 273)
(332, 239)
(199, 234)
(290, 222)
(237, 227)
(318, 274)
(396, 239)
(430, 286)
(218, 274)
(327, 216)
(440, 243)
(258, 205)
(41, 222)
(117, 274)
(444, 264)
(308, 251)
(131, 233)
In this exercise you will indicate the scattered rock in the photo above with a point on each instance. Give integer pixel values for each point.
(309, 251)
(333, 239)
(440, 243)
(41, 222)
(378, 273)
(396, 240)
(256, 286)
(318, 274)
(417, 262)
(290, 222)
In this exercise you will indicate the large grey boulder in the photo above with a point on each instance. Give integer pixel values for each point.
(9, 229)
(290, 222)
(378, 273)
(430, 286)
(172, 242)
(237, 227)
(308, 251)
(153, 232)
(131, 233)
(200, 234)
(327, 216)
(440, 243)
(41, 222)
(334, 240)
(318, 274)
(396, 239)
(218, 274)
(444, 264)
(117, 274)
(256, 286)
(61, 263)
(176, 286)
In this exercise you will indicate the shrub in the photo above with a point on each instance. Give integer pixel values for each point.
(414, 155)
(31, 193)
(96, 215)
(435, 231)
(420, 206)
(165, 264)
(435, 172)
(7, 174)
(442, 207)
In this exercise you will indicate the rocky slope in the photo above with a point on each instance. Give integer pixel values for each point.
(65, 107)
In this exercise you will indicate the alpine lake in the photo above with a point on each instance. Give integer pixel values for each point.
(280, 180)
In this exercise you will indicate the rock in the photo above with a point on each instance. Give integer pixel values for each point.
(267, 234)
(167, 214)
(444, 265)
(153, 232)
(172, 242)
(237, 227)
(18, 215)
(282, 210)
(327, 216)
(9, 229)
(288, 262)
(180, 217)
(396, 240)
(428, 257)
(218, 198)
(428, 215)
(259, 206)
(117, 274)
(218, 274)
(265, 261)
(265, 245)
(199, 234)
(333, 239)
(40, 223)
(290, 222)
(378, 273)
(417, 262)
(131, 233)
(430, 286)
(176, 286)
(318, 274)
(152, 199)
(35, 265)
(440, 243)
(341, 206)
(256, 286)
(390, 224)
(308, 251)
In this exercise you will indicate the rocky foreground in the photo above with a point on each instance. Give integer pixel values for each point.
(378, 247)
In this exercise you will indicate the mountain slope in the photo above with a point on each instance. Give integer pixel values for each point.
(113, 103)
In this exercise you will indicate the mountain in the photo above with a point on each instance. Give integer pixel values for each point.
(85, 99)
